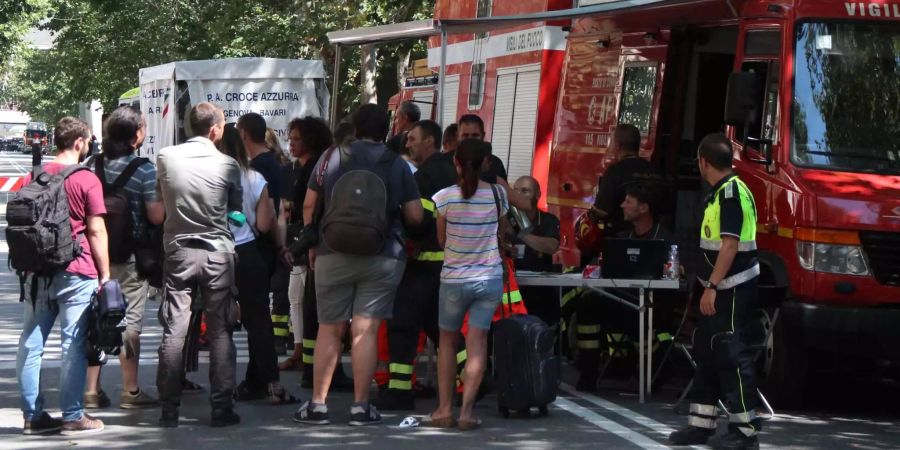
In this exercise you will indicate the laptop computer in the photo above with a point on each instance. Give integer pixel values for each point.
(634, 259)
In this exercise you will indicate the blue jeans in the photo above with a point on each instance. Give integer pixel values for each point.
(478, 298)
(70, 298)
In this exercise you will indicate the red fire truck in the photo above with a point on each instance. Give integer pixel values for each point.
(36, 133)
(813, 112)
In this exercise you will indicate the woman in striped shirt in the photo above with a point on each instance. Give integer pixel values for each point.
(471, 279)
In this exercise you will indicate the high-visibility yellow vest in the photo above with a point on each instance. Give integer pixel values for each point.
(710, 229)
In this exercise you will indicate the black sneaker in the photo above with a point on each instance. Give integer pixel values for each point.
(395, 400)
(189, 387)
(691, 435)
(43, 424)
(224, 417)
(734, 440)
(168, 419)
(364, 414)
(312, 414)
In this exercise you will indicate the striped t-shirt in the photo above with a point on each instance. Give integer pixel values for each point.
(140, 188)
(470, 251)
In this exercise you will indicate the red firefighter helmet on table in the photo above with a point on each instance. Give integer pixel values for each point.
(589, 233)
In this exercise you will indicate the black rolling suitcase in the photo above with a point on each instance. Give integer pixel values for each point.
(526, 370)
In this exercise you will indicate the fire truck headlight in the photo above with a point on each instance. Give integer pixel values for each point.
(830, 258)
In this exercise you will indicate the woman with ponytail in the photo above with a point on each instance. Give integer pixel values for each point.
(471, 279)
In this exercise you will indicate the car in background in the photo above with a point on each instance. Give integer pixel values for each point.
(15, 144)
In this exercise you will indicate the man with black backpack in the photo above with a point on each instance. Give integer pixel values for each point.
(129, 193)
(57, 238)
(369, 192)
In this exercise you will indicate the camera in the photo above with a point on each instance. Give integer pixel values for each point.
(307, 238)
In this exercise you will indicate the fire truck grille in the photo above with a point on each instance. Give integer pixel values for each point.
(883, 250)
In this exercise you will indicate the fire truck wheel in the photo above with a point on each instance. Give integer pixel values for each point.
(784, 382)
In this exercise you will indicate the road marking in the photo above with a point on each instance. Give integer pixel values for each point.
(599, 421)
(17, 165)
(657, 427)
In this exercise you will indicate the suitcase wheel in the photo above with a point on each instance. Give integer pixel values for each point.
(504, 412)
(543, 410)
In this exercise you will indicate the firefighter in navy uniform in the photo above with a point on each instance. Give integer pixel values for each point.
(416, 304)
(607, 329)
(728, 275)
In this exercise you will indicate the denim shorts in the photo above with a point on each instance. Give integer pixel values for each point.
(478, 298)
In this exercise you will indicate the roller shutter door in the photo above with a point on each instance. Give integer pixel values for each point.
(503, 116)
(515, 115)
(425, 101)
(451, 96)
(521, 147)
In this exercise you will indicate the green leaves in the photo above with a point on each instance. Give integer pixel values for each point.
(102, 44)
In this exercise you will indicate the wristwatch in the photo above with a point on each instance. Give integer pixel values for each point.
(710, 285)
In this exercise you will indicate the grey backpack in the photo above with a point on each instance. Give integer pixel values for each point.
(357, 218)
(39, 233)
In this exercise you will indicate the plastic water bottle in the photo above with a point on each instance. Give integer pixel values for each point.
(672, 270)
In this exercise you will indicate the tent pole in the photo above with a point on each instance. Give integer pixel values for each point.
(443, 76)
(335, 90)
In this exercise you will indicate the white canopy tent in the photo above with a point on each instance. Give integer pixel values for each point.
(234, 68)
(277, 89)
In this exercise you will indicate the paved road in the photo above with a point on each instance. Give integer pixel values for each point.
(854, 415)
(12, 163)
(13, 166)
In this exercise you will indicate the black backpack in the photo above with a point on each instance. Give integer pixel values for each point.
(119, 220)
(39, 234)
(357, 220)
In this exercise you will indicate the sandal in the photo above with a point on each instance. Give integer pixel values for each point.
(469, 425)
(291, 364)
(190, 386)
(280, 396)
(244, 393)
(443, 422)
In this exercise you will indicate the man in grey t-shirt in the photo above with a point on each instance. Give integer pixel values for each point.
(198, 186)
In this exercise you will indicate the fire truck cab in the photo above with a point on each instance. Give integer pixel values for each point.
(808, 93)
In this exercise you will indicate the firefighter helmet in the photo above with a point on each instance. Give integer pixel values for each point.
(588, 233)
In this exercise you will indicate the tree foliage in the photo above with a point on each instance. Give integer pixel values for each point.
(102, 44)
(16, 18)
